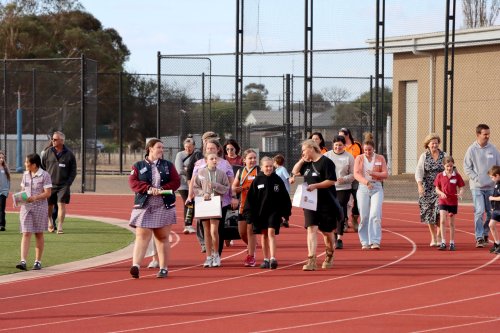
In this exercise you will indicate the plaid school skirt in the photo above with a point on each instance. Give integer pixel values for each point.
(153, 214)
(34, 217)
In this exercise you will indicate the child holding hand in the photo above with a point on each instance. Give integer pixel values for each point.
(449, 186)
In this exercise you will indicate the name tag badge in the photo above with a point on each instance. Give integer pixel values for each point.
(143, 170)
(314, 174)
(251, 177)
(62, 165)
(378, 163)
(453, 181)
(260, 186)
(490, 155)
(2, 171)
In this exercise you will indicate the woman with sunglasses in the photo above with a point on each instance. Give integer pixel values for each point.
(232, 153)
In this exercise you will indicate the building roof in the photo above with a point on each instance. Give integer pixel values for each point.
(275, 118)
(435, 40)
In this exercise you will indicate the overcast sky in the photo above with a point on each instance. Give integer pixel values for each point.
(204, 26)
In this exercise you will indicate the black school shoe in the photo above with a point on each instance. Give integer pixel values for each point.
(21, 265)
(134, 271)
(162, 273)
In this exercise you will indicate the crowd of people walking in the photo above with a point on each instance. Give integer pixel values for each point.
(345, 184)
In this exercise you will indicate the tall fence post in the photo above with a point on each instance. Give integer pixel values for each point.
(288, 111)
(19, 128)
(34, 109)
(83, 147)
(120, 121)
(5, 88)
(158, 106)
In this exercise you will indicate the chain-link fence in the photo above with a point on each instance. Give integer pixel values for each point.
(198, 92)
(47, 95)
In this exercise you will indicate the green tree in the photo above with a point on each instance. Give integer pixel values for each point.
(254, 98)
(31, 34)
(357, 113)
(54, 29)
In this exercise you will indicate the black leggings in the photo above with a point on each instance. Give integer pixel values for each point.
(184, 195)
(355, 210)
(3, 200)
(343, 197)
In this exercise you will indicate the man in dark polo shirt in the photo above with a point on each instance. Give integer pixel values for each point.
(60, 163)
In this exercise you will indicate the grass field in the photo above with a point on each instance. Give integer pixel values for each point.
(82, 239)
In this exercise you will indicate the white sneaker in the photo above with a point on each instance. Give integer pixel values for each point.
(216, 261)
(154, 264)
(208, 262)
(189, 230)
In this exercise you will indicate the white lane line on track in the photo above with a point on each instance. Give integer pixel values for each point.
(271, 310)
(201, 284)
(331, 301)
(459, 326)
(329, 322)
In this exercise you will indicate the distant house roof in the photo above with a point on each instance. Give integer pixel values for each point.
(435, 40)
(275, 118)
(322, 119)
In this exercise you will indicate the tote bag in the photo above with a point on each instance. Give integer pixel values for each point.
(207, 209)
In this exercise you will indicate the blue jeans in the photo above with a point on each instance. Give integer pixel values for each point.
(482, 205)
(370, 213)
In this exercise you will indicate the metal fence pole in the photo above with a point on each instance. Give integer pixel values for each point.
(5, 107)
(158, 106)
(34, 109)
(120, 120)
(82, 119)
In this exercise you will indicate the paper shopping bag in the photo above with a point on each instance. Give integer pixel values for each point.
(304, 198)
(207, 209)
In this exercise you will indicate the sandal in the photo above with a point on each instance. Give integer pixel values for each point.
(60, 231)
(51, 228)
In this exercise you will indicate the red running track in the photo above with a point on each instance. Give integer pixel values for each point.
(405, 287)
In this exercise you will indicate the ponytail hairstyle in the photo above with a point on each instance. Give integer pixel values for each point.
(368, 139)
(5, 166)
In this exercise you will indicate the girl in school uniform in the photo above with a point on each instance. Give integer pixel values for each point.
(37, 184)
(449, 186)
(267, 204)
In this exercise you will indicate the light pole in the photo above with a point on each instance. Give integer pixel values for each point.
(19, 127)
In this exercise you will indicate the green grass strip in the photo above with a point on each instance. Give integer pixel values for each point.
(82, 239)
